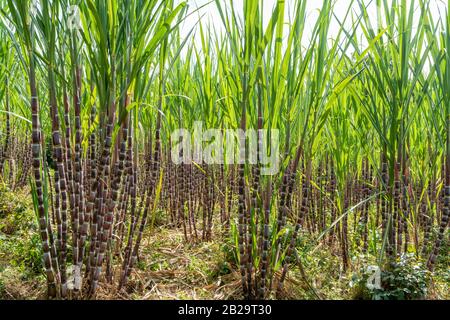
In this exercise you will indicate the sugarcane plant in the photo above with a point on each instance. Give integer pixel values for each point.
(100, 45)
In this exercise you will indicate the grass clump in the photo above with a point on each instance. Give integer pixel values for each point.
(20, 249)
(16, 212)
(19, 243)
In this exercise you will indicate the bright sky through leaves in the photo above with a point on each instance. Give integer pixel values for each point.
(211, 16)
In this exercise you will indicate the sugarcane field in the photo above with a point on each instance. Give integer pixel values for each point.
(226, 150)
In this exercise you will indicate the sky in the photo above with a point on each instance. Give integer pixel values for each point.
(210, 13)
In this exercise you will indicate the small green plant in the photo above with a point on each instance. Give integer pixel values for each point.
(406, 279)
(2, 288)
(15, 211)
(230, 247)
(28, 255)
(19, 243)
